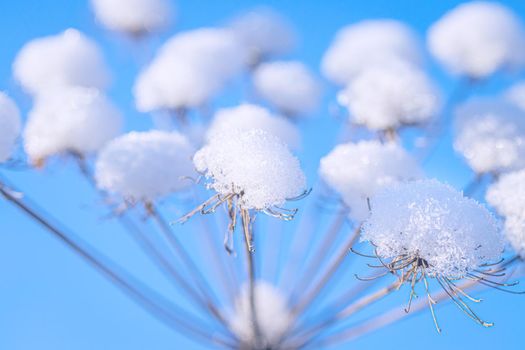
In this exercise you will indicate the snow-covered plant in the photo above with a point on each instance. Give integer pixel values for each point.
(356, 171)
(68, 58)
(490, 135)
(9, 126)
(145, 165)
(134, 17)
(74, 119)
(390, 96)
(289, 86)
(477, 39)
(369, 43)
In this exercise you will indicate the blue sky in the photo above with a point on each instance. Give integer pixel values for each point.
(50, 299)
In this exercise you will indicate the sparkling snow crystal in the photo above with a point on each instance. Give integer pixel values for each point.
(145, 165)
(452, 233)
(477, 39)
(356, 171)
(255, 165)
(70, 119)
(289, 86)
(69, 58)
(490, 134)
(9, 126)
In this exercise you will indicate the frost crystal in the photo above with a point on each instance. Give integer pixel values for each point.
(477, 39)
(246, 117)
(133, 16)
(145, 165)
(9, 126)
(254, 164)
(490, 134)
(389, 96)
(356, 171)
(453, 234)
(369, 43)
(70, 119)
(289, 86)
(69, 58)
(273, 316)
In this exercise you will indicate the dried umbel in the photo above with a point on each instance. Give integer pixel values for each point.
(9, 126)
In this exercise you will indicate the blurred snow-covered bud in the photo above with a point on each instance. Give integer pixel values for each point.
(356, 171)
(289, 86)
(9, 126)
(390, 96)
(68, 58)
(254, 165)
(246, 117)
(145, 165)
(507, 195)
(134, 17)
(490, 135)
(452, 235)
(70, 119)
(516, 95)
(369, 43)
(477, 39)
(514, 231)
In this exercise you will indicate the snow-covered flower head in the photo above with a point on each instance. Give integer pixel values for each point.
(189, 69)
(516, 95)
(264, 32)
(289, 86)
(145, 165)
(135, 17)
(490, 134)
(272, 316)
(68, 58)
(356, 171)
(369, 43)
(477, 39)
(246, 117)
(70, 119)
(389, 96)
(9, 126)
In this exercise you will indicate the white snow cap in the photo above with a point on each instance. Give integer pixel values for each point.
(68, 58)
(248, 116)
(490, 135)
(477, 39)
(289, 86)
(189, 69)
(264, 32)
(9, 126)
(70, 119)
(133, 16)
(356, 171)
(145, 165)
(452, 233)
(271, 309)
(516, 95)
(369, 43)
(389, 96)
(507, 195)
(254, 164)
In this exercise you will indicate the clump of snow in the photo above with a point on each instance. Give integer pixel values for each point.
(452, 233)
(356, 171)
(273, 316)
(477, 39)
(70, 119)
(390, 96)
(369, 43)
(9, 126)
(289, 86)
(264, 32)
(490, 135)
(68, 58)
(248, 116)
(133, 16)
(515, 233)
(516, 95)
(145, 165)
(189, 69)
(255, 165)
